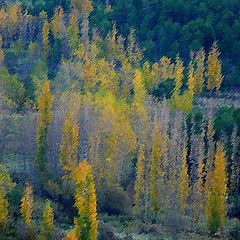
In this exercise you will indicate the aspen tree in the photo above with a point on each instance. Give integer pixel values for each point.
(216, 205)
(148, 78)
(183, 185)
(47, 225)
(45, 38)
(200, 71)
(179, 68)
(27, 205)
(69, 143)
(57, 23)
(73, 31)
(139, 185)
(6, 185)
(45, 101)
(214, 69)
(139, 89)
(191, 80)
(85, 202)
(155, 168)
(134, 53)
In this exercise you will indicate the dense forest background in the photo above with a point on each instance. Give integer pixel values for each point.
(168, 27)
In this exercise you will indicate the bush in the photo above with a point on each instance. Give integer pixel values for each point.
(106, 233)
(113, 201)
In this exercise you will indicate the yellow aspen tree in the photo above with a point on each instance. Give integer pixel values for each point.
(57, 23)
(85, 202)
(179, 68)
(139, 89)
(73, 31)
(47, 225)
(200, 71)
(134, 53)
(69, 143)
(216, 205)
(45, 38)
(89, 74)
(13, 17)
(148, 78)
(191, 79)
(6, 185)
(139, 185)
(214, 69)
(183, 185)
(44, 103)
(27, 205)
(155, 168)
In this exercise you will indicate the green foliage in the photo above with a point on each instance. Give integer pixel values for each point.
(13, 89)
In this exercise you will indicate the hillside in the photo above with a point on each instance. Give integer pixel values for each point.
(119, 120)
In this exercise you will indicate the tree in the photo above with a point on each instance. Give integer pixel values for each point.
(6, 185)
(139, 89)
(45, 101)
(47, 225)
(73, 32)
(27, 205)
(200, 71)
(183, 185)
(214, 69)
(57, 23)
(134, 53)
(45, 38)
(191, 79)
(139, 185)
(179, 68)
(86, 223)
(155, 170)
(216, 205)
(84, 9)
(69, 144)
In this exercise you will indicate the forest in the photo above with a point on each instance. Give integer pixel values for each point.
(119, 120)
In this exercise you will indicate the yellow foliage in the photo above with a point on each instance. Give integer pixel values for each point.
(85, 202)
(69, 143)
(57, 23)
(166, 68)
(191, 79)
(179, 68)
(214, 68)
(27, 205)
(48, 217)
(73, 31)
(3, 211)
(200, 71)
(216, 206)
